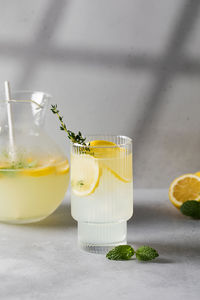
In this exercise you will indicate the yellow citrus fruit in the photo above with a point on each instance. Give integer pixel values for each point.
(4, 165)
(47, 167)
(85, 173)
(101, 143)
(121, 167)
(115, 159)
(103, 149)
(184, 188)
(38, 171)
(62, 167)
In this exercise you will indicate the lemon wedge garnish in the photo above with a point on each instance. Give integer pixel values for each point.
(184, 188)
(85, 174)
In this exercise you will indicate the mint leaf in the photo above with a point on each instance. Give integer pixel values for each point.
(191, 208)
(122, 252)
(146, 253)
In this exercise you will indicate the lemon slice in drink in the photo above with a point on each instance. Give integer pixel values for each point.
(38, 171)
(121, 167)
(43, 167)
(62, 167)
(184, 188)
(101, 143)
(115, 159)
(103, 149)
(85, 174)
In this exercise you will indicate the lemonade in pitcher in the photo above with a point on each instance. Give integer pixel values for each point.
(31, 190)
(34, 180)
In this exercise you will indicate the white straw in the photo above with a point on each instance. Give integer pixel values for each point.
(10, 120)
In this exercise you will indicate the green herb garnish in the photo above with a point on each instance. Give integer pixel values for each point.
(11, 170)
(22, 164)
(122, 252)
(75, 138)
(146, 253)
(125, 252)
(80, 183)
(191, 208)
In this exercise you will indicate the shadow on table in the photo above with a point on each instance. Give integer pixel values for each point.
(152, 214)
(60, 218)
(171, 252)
(163, 219)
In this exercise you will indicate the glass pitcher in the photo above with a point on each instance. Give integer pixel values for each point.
(35, 176)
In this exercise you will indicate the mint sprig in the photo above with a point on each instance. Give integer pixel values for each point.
(191, 208)
(126, 252)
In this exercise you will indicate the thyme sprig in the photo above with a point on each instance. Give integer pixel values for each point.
(75, 138)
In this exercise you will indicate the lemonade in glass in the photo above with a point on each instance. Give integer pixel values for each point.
(102, 191)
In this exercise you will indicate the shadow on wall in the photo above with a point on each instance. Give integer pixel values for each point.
(170, 63)
(166, 68)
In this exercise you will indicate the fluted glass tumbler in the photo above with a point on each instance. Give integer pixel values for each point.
(102, 191)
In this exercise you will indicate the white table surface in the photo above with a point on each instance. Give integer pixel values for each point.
(42, 260)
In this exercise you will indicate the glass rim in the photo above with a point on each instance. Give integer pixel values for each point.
(128, 141)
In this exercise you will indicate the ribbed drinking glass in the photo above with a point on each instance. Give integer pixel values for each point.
(102, 191)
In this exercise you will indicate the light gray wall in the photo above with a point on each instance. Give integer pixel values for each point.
(127, 67)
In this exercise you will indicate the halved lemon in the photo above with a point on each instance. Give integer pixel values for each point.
(184, 188)
(85, 173)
